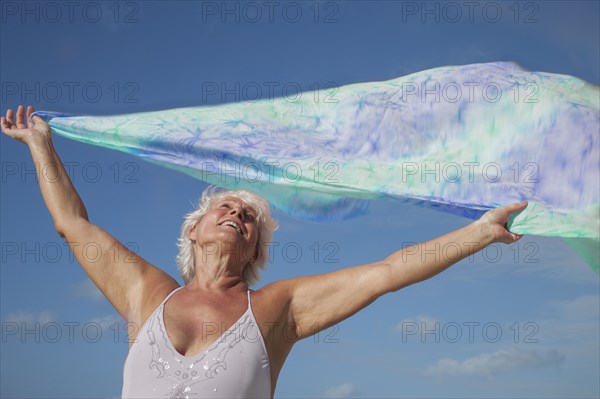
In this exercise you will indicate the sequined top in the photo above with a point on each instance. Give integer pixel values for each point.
(236, 365)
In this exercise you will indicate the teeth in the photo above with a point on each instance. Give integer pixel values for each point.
(237, 227)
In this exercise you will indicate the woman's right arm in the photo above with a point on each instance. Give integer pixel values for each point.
(130, 283)
(62, 200)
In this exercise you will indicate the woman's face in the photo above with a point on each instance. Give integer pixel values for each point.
(230, 223)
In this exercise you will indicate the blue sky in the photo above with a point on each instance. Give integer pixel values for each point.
(519, 322)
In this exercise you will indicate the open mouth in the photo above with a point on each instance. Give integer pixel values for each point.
(233, 225)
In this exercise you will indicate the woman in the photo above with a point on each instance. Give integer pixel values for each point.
(214, 337)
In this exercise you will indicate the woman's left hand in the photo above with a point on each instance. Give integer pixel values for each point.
(496, 220)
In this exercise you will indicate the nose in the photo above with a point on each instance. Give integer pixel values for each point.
(235, 209)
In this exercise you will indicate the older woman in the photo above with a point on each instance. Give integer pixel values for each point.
(215, 337)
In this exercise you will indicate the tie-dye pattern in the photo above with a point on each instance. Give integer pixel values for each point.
(461, 139)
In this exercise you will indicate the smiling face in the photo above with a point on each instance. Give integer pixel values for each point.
(229, 221)
(189, 248)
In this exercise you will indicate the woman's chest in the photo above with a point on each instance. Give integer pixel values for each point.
(194, 327)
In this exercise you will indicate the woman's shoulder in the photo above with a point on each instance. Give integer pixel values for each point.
(275, 290)
(150, 299)
(153, 296)
(272, 298)
(159, 293)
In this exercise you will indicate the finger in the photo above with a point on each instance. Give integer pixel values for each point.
(33, 120)
(3, 124)
(37, 118)
(20, 117)
(6, 126)
(9, 117)
(516, 237)
(519, 205)
(28, 117)
(29, 112)
(516, 207)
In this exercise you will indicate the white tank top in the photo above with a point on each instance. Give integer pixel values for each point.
(236, 365)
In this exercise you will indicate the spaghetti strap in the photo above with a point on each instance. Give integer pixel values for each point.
(249, 305)
(170, 295)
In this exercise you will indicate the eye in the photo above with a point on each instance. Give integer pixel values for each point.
(250, 217)
(226, 205)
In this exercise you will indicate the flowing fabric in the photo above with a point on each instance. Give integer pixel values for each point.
(460, 139)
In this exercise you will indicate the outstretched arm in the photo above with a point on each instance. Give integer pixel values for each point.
(422, 261)
(320, 301)
(128, 281)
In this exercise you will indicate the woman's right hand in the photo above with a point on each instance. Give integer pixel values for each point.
(22, 132)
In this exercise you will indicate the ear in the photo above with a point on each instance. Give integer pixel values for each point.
(192, 232)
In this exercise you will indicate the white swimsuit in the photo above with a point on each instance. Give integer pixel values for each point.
(236, 365)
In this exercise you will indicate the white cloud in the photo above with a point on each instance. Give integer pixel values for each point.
(585, 307)
(493, 363)
(340, 391)
(30, 318)
(573, 324)
(87, 289)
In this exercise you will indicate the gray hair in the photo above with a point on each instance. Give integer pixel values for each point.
(265, 223)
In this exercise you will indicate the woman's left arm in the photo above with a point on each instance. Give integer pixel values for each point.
(320, 301)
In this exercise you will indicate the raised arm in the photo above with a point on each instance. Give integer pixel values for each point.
(60, 196)
(320, 301)
(128, 281)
